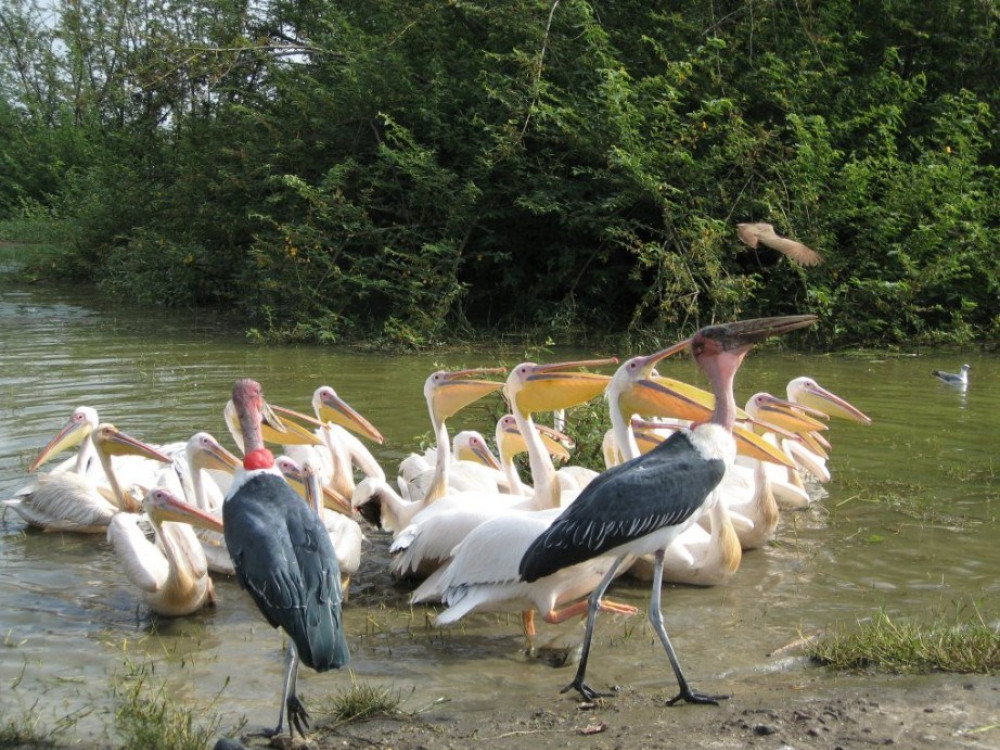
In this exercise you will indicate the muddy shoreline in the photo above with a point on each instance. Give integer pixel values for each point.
(800, 707)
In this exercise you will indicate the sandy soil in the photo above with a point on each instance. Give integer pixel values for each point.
(810, 709)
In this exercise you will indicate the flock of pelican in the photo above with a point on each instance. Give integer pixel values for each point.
(691, 482)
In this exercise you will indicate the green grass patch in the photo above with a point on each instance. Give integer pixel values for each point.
(22, 730)
(363, 701)
(965, 643)
(146, 717)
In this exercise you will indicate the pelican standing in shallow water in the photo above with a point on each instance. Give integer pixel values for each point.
(642, 505)
(283, 557)
(171, 571)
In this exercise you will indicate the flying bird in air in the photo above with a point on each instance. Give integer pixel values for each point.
(762, 233)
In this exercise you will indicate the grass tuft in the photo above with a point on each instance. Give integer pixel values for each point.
(22, 731)
(146, 718)
(363, 701)
(967, 645)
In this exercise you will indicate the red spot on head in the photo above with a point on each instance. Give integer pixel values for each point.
(261, 458)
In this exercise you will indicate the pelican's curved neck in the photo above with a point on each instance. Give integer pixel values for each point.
(510, 471)
(175, 549)
(439, 483)
(83, 456)
(624, 436)
(543, 471)
(120, 501)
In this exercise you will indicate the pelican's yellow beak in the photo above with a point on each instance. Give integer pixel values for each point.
(114, 442)
(666, 397)
(287, 431)
(69, 436)
(556, 443)
(450, 392)
(273, 428)
(218, 458)
(752, 445)
(787, 415)
(479, 453)
(748, 443)
(813, 395)
(165, 506)
(334, 409)
(552, 386)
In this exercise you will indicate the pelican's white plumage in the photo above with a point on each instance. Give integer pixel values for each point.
(171, 571)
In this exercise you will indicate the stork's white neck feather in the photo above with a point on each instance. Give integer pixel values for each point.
(713, 441)
(242, 476)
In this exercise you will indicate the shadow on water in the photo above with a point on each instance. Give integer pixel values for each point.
(907, 523)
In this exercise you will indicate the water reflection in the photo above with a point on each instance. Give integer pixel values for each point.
(907, 523)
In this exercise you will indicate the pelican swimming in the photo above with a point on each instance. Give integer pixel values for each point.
(446, 393)
(203, 473)
(67, 501)
(171, 571)
(472, 467)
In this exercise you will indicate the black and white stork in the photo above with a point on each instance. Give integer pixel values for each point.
(283, 557)
(639, 507)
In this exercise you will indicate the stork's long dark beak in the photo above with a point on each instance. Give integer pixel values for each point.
(747, 332)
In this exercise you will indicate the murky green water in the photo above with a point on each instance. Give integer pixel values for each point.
(908, 522)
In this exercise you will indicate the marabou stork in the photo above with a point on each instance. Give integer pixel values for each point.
(283, 556)
(639, 507)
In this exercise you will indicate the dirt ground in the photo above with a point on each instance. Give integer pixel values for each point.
(810, 710)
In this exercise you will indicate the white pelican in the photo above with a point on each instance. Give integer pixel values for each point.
(196, 473)
(482, 575)
(339, 451)
(642, 505)
(171, 572)
(67, 501)
(806, 401)
(472, 467)
(446, 393)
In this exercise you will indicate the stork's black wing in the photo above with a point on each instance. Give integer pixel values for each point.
(284, 559)
(662, 488)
